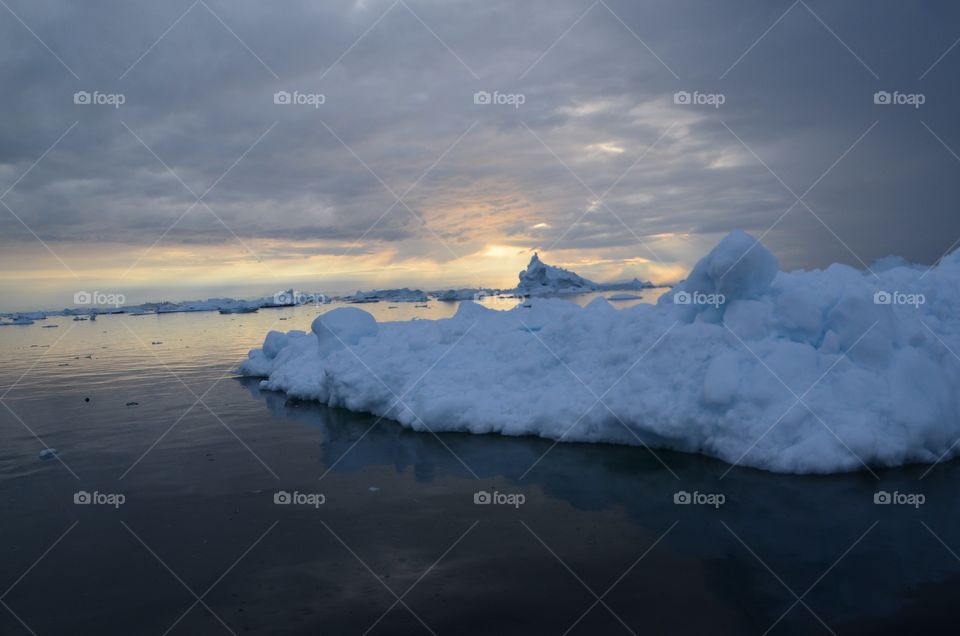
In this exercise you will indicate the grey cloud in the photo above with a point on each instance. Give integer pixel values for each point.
(399, 99)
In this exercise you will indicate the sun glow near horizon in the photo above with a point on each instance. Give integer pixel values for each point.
(258, 266)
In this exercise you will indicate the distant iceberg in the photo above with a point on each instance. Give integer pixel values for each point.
(806, 372)
(636, 285)
(403, 295)
(16, 320)
(465, 293)
(540, 279)
(288, 298)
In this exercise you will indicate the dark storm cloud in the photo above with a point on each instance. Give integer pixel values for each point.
(595, 100)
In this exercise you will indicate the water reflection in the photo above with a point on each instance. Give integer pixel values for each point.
(798, 526)
(199, 498)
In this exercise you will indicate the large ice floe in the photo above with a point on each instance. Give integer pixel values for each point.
(807, 371)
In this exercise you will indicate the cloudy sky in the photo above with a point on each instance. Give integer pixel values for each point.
(621, 139)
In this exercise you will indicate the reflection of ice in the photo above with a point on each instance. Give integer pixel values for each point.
(387, 443)
(798, 525)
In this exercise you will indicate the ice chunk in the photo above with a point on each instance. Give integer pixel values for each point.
(869, 359)
(273, 343)
(738, 267)
(343, 326)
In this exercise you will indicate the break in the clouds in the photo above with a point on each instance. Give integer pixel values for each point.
(432, 137)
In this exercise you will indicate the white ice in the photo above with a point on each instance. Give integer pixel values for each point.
(540, 279)
(808, 371)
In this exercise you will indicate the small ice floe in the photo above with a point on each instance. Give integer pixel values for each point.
(239, 310)
(624, 297)
(17, 320)
(374, 489)
(48, 453)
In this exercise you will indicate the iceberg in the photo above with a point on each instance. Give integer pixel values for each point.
(818, 371)
(540, 279)
(634, 285)
(403, 295)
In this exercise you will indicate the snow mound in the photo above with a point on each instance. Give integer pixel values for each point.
(806, 372)
(541, 279)
(738, 267)
(343, 326)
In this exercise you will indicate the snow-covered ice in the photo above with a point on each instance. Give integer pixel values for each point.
(541, 279)
(807, 371)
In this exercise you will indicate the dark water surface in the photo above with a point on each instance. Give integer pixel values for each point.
(598, 545)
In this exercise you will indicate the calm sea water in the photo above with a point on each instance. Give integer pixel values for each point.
(147, 410)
